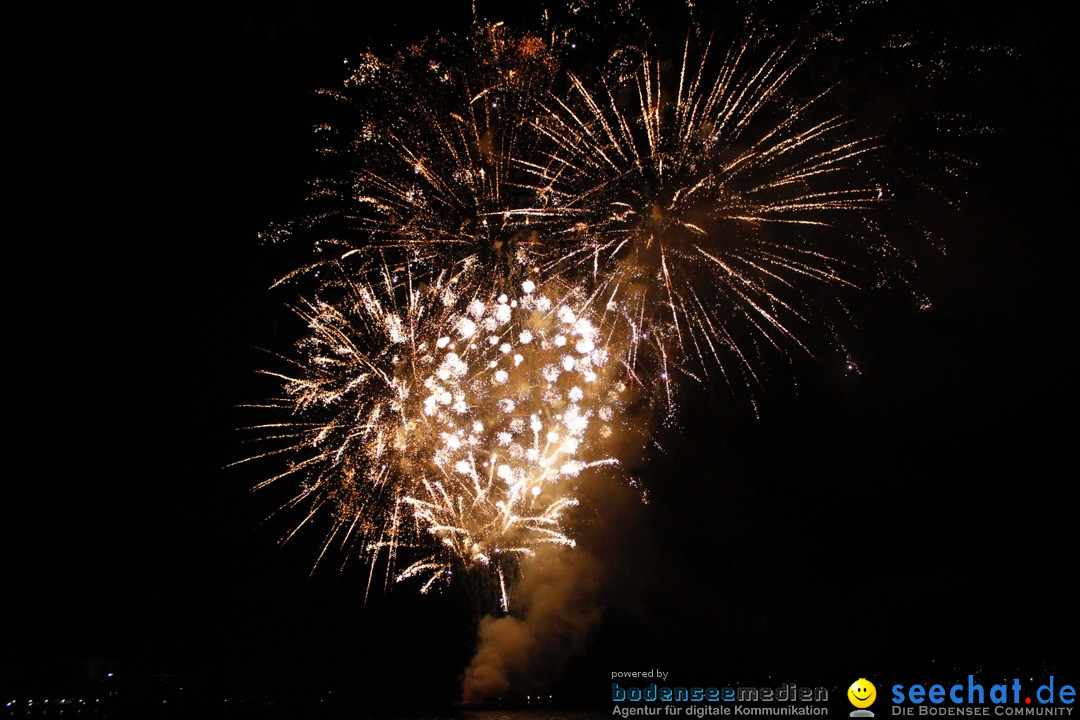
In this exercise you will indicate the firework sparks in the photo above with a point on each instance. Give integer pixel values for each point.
(462, 419)
(703, 212)
(427, 159)
(717, 209)
(695, 202)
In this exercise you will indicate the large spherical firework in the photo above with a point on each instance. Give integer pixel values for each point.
(708, 199)
(450, 423)
(422, 154)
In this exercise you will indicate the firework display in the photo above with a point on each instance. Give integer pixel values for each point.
(438, 417)
(426, 160)
(697, 203)
(507, 248)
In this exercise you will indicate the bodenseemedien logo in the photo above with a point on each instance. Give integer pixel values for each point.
(862, 694)
(681, 701)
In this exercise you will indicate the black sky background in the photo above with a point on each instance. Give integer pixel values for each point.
(917, 515)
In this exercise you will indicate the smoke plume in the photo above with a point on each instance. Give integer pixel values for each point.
(559, 597)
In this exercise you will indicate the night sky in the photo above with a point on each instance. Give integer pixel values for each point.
(916, 515)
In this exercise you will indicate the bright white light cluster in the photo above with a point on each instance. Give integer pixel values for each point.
(428, 414)
(515, 402)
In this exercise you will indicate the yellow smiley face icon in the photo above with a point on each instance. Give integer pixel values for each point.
(862, 693)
